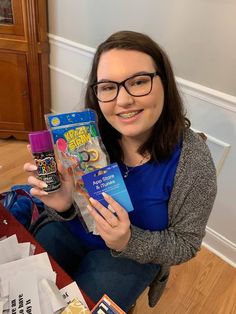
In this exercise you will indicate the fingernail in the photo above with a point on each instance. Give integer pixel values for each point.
(43, 193)
(33, 167)
(105, 194)
(44, 185)
(92, 200)
(111, 209)
(89, 208)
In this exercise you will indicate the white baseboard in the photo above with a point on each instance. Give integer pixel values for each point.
(220, 246)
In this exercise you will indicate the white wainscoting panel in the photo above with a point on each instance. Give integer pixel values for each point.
(210, 111)
(66, 91)
(214, 113)
(218, 148)
(70, 64)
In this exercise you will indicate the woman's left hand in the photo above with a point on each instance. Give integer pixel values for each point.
(114, 229)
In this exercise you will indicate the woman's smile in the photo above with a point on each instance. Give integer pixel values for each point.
(129, 116)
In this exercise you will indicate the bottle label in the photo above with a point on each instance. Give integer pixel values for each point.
(46, 165)
(47, 170)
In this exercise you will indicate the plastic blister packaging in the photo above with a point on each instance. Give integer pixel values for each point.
(78, 145)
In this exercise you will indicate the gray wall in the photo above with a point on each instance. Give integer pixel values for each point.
(199, 36)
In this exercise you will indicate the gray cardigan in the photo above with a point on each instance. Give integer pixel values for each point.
(189, 207)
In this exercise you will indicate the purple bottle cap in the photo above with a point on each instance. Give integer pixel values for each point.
(40, 141)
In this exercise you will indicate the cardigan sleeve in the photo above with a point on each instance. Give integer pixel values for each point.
(190, 205)
(61, 216)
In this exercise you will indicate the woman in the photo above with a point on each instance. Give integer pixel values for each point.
(167, 168)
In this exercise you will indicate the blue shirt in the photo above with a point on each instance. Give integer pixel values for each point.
(149, 186)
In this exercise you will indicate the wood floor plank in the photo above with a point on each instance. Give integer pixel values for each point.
(13, 154)
(204, 285)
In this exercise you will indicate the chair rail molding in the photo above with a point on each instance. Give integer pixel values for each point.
(207, 94)
(78, 54)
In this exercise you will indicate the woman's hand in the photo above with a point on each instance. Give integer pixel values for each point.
(114, 229)
(59, 200)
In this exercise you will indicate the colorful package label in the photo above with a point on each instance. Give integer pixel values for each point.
(109, 180)
(106, 306)
(70, 118)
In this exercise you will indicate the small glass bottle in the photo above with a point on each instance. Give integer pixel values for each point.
(42, 150)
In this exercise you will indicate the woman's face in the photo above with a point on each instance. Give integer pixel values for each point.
(133, 117)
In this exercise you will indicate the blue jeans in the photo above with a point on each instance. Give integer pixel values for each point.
(96, 271)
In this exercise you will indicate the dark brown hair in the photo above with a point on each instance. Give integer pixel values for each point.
(169, 128)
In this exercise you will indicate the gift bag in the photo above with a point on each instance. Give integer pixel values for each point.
(23, 206)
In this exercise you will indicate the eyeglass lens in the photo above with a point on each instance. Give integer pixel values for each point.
(139, 85)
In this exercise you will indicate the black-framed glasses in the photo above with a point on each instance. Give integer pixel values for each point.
(137, 85)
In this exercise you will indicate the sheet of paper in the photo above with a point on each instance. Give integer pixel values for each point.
(50, 296)
(38, 273)
(72, 291)
(24, 296)
(28, 281)
(10, 250)
(24, 249)
(9, 270)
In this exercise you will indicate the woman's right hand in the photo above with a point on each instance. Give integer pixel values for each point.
(60, 200)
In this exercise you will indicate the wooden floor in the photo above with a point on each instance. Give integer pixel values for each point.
(204, 285)
(13, 155)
